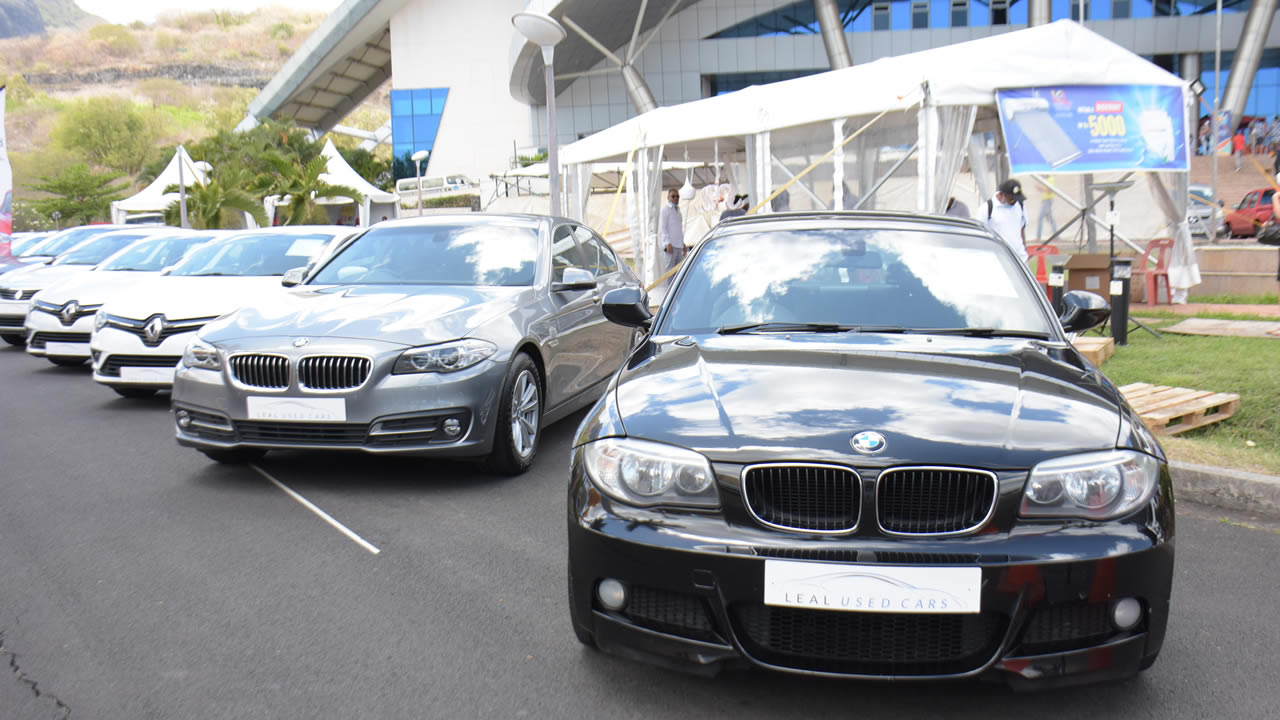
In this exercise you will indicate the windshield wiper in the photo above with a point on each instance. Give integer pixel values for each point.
(784, 327)
(982, 332)
(212, 274)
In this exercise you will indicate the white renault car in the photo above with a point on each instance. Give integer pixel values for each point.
(61, 317)
(139, 339)
(20, 286)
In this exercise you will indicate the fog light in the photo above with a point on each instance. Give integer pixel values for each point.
(1125, 613)
(452, 426)
(184, 419)
(612, 594)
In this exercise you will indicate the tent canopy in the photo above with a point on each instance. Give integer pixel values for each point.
(1060, 53)
(340, 173)
(152, 197)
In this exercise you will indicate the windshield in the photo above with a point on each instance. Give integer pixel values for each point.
(60, 242)
(154, 254)
(857, 278)
(254, 254)
(486, 253)
(21, 246)
(94, 251)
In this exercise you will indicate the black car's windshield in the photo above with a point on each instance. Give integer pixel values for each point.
(855, 280)
(473, 253)
(92, 252)
(154, 254)
(60, 242)
(253, 253)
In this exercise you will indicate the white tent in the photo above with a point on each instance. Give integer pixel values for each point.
(939, 105)
(152, 198)
(376, 202)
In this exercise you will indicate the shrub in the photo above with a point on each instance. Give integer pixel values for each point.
(107, 131)
(116, 40)
(282, 30)
(167, 41)
(284, 50)
(165, 91)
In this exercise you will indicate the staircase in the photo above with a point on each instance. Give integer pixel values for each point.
(1233, 185)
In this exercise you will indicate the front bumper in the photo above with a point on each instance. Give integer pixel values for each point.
(48, 337)
(696, 586)
(13, 316)
(122, 359)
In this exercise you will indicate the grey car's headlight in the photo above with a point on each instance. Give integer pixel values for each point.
(200, 354)
(639, 472)
(1096, 486)
(445, 357)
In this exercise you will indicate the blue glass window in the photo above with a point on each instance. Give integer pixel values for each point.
(415, 122)
(729, 82)
(401, 102)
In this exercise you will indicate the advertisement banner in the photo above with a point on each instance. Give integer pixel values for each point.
(1094, 128)
(6, 183)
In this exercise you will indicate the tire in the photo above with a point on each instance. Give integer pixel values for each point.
(67, 361)
(134, 392)
(515, 441)
(236, 456)
(17, 340)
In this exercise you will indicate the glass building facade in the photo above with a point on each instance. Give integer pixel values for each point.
(415, 120)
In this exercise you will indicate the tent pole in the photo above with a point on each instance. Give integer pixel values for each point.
(885, 178)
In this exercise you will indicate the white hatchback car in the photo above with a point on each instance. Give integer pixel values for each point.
(61, 317)
(138, 339)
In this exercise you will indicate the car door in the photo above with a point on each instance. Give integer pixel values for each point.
(1262, 212)
(1241, 220)
(571, 352)
(612, 342)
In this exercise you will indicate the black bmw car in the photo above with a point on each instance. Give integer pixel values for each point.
(860, 445)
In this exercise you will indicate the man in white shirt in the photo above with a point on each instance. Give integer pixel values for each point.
(671, 230)
(1007, 217)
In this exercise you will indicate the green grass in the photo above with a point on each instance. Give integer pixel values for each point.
(1268, 299)
(1250, 439)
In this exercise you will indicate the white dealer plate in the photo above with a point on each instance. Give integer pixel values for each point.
(872, 588)
(66, 349)
(146, 374)
(297, 409)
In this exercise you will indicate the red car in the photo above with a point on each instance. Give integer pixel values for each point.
(1250, 214)
(6, 223)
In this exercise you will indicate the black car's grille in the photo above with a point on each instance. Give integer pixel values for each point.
(931, 501)
(111, 366)
(860, 643)
(1066, 627)
(670, 612)
(39, 339)
(264, 371)
(8, 294)
(332, 372)
(338, 434)
(815, 498)
(12, 322)
(852, 555)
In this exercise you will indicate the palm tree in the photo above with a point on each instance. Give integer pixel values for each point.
(214, 205)
(302, 186)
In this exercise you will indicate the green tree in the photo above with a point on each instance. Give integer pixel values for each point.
(216, 204)
(369, 166)
(107, 131)
(302, 185)
(78, 193)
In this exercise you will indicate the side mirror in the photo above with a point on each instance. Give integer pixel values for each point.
(1083, 310)
(627, 306)
(294, 277)
(574, 279)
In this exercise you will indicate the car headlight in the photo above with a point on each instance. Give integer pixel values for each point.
(638, 472)
(445, 357)
(200, 354)
(1095, 486)
(99, 320)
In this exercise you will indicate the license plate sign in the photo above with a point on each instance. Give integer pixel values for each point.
(66, 349)
(297, 409)
(146, 374)
(873, 588)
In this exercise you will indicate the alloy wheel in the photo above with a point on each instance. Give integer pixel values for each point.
(525, 405)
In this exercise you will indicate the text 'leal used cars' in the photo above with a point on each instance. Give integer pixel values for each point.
(860, 445)
(448, 336)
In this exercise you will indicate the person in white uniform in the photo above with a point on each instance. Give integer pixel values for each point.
(1007, 216)
(671, 230)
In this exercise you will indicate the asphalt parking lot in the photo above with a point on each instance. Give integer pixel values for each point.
(139, 580)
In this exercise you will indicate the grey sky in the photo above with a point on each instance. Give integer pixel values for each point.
(146, 10)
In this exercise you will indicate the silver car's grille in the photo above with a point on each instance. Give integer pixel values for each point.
(811, 498)
(264, 371)
(333, 372)
(934, 500)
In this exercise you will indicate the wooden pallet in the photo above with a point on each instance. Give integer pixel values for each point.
(1095, 349)
(1172, 410)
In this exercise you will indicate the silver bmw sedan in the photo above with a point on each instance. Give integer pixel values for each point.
(454, 335)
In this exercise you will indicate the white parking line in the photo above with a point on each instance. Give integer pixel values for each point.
(323, 515)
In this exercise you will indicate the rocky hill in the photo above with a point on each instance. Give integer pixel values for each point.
(20, 18)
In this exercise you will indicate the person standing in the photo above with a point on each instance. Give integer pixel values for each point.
(671, 230)
(1046, 207)
(1237, 146)
(1007, 216)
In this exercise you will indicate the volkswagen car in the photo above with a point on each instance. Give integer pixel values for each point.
(138, 337)
(457, 335)
(860, 445)
(61, 317)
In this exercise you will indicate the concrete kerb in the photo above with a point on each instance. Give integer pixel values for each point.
(1230, 489)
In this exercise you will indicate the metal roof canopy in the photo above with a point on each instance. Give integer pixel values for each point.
(343, 62)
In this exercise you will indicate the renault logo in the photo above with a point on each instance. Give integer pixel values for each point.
(868, 442)
(153, 329)
(69, 311)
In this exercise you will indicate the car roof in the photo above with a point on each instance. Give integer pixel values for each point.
(862, 219)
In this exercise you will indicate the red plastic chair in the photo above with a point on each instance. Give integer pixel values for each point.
(1152, 275)
(1041, 254)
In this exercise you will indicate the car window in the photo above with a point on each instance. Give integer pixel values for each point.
(94, 251)
(565, 252)
(466, 254)
(60, 242)
(1266, 198)
(1248, 201)
(598, 256)
(254, 254)
(906, 278)
(154, 254)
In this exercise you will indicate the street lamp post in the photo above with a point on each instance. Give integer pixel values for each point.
(56, 215)
(543, 30)
(417, 159)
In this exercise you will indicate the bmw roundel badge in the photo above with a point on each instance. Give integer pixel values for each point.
(868, 442)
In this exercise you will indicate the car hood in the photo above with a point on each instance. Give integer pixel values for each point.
(403, 314)
(95, 288)
(992, 403)
(39, 277)
(184, 297)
